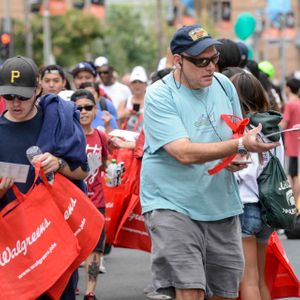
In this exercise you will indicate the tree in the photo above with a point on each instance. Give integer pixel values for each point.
(73, 36)
(125, 38)
(135, 42)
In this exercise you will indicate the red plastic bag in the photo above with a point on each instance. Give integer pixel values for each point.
(132, 232)
(123, 155)
(114, 209)
(279, 275)
(84, 219)
(35, 240)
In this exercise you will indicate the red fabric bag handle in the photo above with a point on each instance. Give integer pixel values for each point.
(20, 197)
(238, 129)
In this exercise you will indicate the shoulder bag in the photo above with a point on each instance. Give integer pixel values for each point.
(276, 196)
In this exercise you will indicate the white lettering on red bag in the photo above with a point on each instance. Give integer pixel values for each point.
(70, 209)
(81, 227)
(109, 205)
(136, 217)
(22, 246)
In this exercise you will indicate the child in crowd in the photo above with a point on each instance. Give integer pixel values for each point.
(255, 234)
(97, 152)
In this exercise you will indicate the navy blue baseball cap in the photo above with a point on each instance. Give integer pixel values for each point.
(84, 66)
(192, 40)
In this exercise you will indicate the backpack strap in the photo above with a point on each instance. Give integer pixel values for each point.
(220, 83)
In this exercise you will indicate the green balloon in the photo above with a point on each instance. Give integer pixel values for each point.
(244, 25)
(250, 52)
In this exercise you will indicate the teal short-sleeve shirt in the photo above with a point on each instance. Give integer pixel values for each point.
(173, 112)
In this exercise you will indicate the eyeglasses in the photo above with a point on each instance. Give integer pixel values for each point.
(12, 97)
(103, 72)
(86, 107)
(203, 61)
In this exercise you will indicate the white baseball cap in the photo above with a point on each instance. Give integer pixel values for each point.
(100, 61)
(138, 74)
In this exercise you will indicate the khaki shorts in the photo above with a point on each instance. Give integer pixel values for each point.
(188, 254)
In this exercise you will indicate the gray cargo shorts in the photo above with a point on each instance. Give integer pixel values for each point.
(189, 254)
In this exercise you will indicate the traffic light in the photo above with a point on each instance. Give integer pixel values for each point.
(5, 40)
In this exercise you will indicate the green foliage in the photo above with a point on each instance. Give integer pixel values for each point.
(128, 41)
(125, 38)
(72, 37)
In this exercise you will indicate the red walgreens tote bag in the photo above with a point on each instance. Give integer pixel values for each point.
(132, 232)
(84, 219)
(36, 245)
(279, 275)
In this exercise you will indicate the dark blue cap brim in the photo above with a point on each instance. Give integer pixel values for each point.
(199, 47)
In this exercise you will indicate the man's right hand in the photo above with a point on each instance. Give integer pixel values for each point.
(253, 144)
(5, 184)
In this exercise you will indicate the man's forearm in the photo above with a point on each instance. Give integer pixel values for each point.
(188, 153)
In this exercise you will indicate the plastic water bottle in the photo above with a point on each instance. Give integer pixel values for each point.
(31, 152)
(111, 174)
(120, 171)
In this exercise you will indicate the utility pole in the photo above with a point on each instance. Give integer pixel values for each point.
(201, 10)
(159, 27)
(28, 31)
(282, 50)
(7, 22)
(47, 34)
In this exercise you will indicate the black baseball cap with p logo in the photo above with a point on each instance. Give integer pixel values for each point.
(18, 76)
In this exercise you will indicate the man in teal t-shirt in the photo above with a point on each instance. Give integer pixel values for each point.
(192, 217)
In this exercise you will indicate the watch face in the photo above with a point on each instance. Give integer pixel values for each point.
(242, 151)
(61, 163)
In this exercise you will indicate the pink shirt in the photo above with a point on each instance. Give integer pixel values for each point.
(292, 115)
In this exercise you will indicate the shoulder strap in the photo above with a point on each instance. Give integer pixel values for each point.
(102, 103)
(220, 83)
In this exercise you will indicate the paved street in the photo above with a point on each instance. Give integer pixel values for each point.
(128, 272)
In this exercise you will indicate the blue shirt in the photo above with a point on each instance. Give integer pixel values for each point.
(98, 121)
(171, 114)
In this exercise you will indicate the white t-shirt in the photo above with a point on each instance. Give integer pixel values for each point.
(247, 177)
(117, 92)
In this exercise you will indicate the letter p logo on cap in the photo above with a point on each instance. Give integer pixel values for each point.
(14, 74)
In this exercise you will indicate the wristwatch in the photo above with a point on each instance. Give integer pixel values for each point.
(241, 148)
(61, 164)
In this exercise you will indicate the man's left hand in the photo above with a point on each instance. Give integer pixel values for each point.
(232, 167)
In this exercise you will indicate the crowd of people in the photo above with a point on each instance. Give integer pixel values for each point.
(208, 237)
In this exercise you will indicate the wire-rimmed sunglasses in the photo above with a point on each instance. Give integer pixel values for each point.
(11, 97)
(203, 61)
(85, 107)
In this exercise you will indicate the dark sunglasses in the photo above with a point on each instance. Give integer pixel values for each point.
(103, 72)
(86, 107)
(12, 97)
(204, 61)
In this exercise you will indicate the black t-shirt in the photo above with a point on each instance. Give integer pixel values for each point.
(15, 139)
